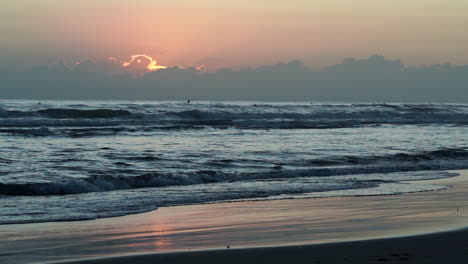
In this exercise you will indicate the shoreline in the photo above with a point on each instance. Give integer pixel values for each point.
(255, 226)
(304, 196)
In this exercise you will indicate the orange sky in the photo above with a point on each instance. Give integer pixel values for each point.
(234, 33)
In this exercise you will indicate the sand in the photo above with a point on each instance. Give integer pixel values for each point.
(263, 232)
(446, 247)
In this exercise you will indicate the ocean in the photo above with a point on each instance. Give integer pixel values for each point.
(79, 160)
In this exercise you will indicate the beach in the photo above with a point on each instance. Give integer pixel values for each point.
(262, 231)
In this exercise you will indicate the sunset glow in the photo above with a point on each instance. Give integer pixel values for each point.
(318, 33)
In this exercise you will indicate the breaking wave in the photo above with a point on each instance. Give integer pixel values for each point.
(445, 159)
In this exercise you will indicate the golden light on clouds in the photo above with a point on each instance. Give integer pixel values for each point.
(142, 61)
(138, 65)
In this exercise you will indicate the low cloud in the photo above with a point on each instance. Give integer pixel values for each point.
(373, 79)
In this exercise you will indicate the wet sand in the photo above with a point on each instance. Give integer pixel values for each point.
(271, 229)
(446, 247)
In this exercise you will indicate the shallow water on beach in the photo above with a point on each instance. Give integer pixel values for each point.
(77, 160)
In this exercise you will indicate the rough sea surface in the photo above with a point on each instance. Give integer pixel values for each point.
(77, 160)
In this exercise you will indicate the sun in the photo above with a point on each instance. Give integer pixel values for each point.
(140, 60)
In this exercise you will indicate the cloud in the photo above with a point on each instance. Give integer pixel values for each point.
(373, 79)
(373, 64)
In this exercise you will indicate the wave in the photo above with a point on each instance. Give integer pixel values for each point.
(415, 107)
(104, 183)
(444, 153)
(445, 159)
(63, 113)
(146, 118)
(79, 132)
(78, 113)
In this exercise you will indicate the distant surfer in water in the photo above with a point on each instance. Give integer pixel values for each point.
(188, 101)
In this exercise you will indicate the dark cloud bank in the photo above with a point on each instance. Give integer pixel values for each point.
(373, 79)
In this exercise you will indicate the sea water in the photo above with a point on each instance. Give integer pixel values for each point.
(78, 160)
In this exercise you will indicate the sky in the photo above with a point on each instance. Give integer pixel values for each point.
(233, 34)
(334, 50)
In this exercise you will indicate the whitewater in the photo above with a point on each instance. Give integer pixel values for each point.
(79, 160)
